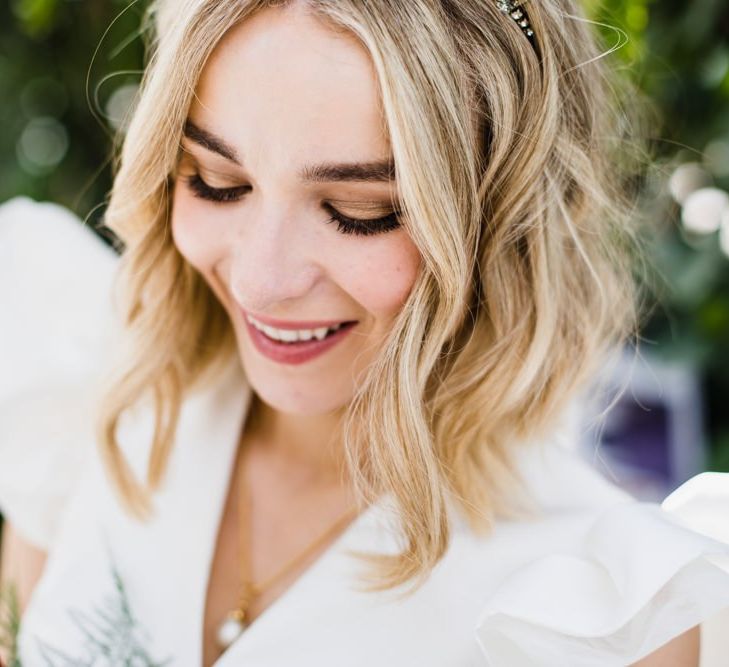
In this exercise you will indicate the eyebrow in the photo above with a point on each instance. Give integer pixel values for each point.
(382, 171)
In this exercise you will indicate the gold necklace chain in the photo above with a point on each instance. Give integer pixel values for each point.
(237, 620)
(257, 589)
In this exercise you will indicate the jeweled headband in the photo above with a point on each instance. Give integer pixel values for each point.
(514, 9)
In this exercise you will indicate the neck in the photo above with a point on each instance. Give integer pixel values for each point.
(307, 446)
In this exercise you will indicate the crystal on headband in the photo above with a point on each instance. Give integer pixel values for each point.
(514, 10)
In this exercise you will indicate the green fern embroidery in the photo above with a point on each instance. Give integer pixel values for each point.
(111, 635)
(9, 623)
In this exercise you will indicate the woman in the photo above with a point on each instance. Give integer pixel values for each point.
(372, 251)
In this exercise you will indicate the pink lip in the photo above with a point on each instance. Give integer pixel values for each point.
(291, 324)
(295, 353)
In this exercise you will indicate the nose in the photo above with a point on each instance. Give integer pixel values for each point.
(274, 263)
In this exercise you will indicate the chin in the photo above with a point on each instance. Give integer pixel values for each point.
(288, 400)
(291, 396)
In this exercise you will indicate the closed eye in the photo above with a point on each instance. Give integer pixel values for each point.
(361, 227)
(202, 190)
(345, 224)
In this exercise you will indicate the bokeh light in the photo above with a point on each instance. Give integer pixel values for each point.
(42, 145)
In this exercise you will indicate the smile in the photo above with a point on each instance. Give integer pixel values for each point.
(295, 346)
(294, 335)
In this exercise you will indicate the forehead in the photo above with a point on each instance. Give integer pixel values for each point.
(283, 87)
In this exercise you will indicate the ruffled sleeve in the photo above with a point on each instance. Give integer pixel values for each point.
(55, 295)
(638, 575)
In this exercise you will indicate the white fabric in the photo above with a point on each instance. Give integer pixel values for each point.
(597, 579)
(55, 281)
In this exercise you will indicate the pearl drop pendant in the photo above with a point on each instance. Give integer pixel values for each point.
(231, 628)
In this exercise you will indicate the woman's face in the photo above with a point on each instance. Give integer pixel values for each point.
(286, 131)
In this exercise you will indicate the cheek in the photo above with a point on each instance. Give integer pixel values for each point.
(385, 275)
(192, 232)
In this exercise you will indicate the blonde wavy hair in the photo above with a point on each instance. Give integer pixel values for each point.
(512, 163)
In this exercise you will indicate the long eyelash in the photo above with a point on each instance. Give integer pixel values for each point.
(348, 225)
(202, 190)
(345, 224)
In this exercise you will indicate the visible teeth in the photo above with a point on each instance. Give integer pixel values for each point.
(270, 331)
(320, 333)
(293, 335)
(287, 335)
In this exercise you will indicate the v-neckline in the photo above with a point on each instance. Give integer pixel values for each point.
(219, 483)
(268, 617)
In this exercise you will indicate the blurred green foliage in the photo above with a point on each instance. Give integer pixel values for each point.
(678, 54)
(65, 65)
(55, 89)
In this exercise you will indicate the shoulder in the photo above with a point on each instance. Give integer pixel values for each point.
(38, 237)
(55, 281)
(55, 287)
(597, 575)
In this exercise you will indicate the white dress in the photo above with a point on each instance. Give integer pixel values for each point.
(598, 580)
